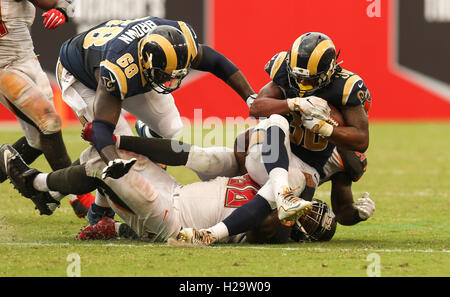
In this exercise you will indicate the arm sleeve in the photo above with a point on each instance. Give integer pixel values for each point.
(102, 134)
(216, 63)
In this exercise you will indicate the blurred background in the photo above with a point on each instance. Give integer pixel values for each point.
(401, 48)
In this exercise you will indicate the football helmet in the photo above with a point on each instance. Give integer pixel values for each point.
(164, 58)
(311, 62)
(317, 225)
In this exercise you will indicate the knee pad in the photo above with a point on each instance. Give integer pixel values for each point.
(21, 91)
(279, 121)
(50, 123)
(210, 162)
(255, 167)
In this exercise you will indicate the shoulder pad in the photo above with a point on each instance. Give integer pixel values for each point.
(354, 91)
(274, 64)
(114, 79)
(355, 164)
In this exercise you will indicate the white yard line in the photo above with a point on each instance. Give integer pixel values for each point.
(315, 249)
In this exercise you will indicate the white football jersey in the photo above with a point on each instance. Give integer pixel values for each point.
(204, 204)
(16, 19)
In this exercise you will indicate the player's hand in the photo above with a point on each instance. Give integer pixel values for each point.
(53, 18)
(87, 135)
(118, 168)
(311, 106)
(365, 206)
(318, 126)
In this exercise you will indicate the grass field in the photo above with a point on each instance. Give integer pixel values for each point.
(408, 177)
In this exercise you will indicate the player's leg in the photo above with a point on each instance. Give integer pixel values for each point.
(29, 154)
(208, 162)
(268, 160)
(158, 111)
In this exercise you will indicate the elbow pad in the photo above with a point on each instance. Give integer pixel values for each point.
(355, 164)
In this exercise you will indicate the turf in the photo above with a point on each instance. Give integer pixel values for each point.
(408, 177)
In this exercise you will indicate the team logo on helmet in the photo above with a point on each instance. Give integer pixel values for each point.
(164, 58)
(311, 62)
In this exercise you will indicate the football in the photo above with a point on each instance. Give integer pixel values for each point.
(336, 116)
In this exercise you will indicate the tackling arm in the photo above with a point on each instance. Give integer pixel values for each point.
(57, 11)
(214, 62)
(347, 212)
(107, 110)
(268, 102)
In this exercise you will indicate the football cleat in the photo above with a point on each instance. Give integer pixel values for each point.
(142, 129)
(290, 207)
(21, 177)
(103, 230)
(45, 203)
(190, 237)
(127, 232)
(19, 173)
(81, 204)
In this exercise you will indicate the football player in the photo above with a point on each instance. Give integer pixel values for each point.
(25, 90)
(148, 199)
(207, 163)
(107, 67)
(135, 65)
(305, 80)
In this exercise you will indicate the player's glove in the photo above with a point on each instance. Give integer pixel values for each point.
(365, 206)
(54, 18)
(318, 126)
(311, 106)
(118, 168)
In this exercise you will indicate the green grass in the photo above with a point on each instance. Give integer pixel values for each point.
(408, 177)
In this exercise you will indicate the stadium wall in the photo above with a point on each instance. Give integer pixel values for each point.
(369, 33)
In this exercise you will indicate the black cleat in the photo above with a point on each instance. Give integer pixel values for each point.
(3, 174)
(21, 177)
(19, 173)
(45, 203)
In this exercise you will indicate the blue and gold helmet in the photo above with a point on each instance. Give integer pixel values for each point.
(164, 57)
(311, 62)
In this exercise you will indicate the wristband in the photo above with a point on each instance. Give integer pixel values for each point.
(250, 99)
(102, 134)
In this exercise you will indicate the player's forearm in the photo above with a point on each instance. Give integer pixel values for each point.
(166, 151)
(348, 216)
(109, 153)
(350, 138)
(265, 107)
(240, 85)
(49, 4)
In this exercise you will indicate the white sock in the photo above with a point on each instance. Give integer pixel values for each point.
(116, 227)
(101, 200)
(279, 179)
(56, 195)
(219, 231)
(40, 182)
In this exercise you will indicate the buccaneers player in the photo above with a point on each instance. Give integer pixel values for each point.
(25, 91)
